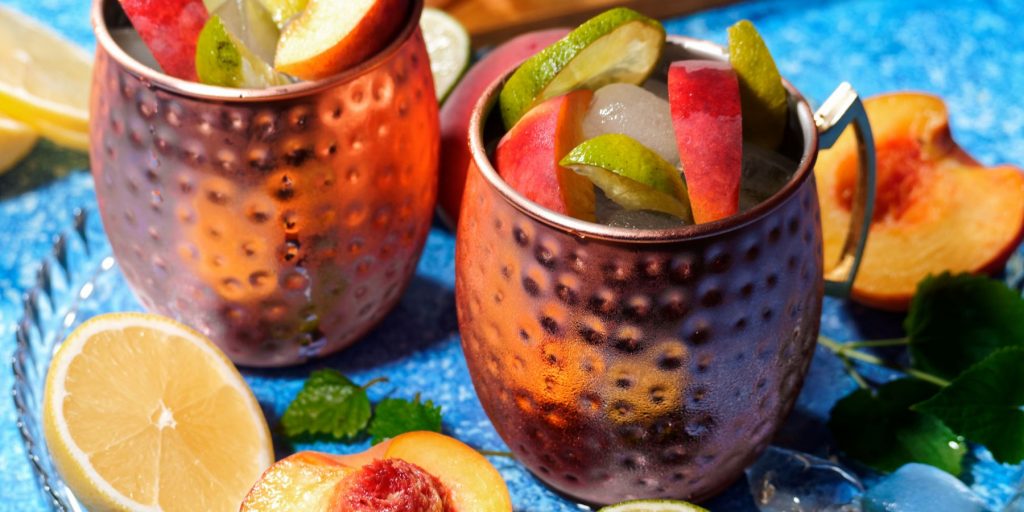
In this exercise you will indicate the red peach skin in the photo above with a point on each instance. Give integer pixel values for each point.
(527, 157)
(705, 100)
(170, 29)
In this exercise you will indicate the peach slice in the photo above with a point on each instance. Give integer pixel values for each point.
(527, 156)
(936, 208)
(330, 36)
(170, 29)
(704, 97)
(435, 471)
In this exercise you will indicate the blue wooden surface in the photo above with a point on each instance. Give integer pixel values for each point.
(970, 52)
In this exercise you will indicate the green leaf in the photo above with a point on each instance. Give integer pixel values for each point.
(329, 404)
(956, 321)
(881, 431)
(984, 404)
(396, 416)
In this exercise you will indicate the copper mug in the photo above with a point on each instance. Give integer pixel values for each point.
(620, 363)
(285, 222)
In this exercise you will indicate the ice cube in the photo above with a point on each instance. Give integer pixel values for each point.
(764, 173)
(916, 487)
(636, 112)
(252, 24)
(131, 42)
(788, 481)
(607, 212)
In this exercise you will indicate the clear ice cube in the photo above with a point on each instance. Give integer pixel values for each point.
(788, 481)
(636, 112)
(764, 173)
(131, 42)
(917, 487)
(251, 24)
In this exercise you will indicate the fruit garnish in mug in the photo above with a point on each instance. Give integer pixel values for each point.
(266, 43)
(262, 43)
(696, 143)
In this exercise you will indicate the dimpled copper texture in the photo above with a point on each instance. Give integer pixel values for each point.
(283, 223)
(620, 364)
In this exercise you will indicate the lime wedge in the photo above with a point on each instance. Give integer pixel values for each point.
(653, 506)
(631, 175)
(448, 47)
(222, 59)
(761, 92)
(618, 45)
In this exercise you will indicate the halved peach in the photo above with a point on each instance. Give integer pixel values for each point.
(320, 482)
(330, 36)
(936, 208)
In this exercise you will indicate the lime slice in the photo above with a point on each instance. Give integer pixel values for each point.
(221, 59)
(16, 140)
(618, 45)
(631, 175)
(653, 506)
(448, 47)
(761, 92)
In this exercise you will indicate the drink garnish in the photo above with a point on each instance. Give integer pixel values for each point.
(653, 506)
(630, 174)
(170, 29)
(619, 45)
(764, 97)
(448, 47)
(222, 59)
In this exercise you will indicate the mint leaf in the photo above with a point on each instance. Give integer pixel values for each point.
(956, 321)
(329, 404)
(880, 430)
(396, 416)
(984, 404)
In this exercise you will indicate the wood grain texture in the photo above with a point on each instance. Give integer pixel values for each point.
(492, 21)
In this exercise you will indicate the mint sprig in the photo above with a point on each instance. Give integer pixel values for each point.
(879, 428)
(984, 404)
(956, 321)
(329, 404)
(395, 416)
(966, 339)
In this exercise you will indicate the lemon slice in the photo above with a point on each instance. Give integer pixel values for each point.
(42, 75)
(631, 175)
(448, 47)
(618, 45)
(143, 413)
(62, 136)
(16, 140)
(653, 506)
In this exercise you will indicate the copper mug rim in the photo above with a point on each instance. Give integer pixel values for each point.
(581, 228)
(242, 95)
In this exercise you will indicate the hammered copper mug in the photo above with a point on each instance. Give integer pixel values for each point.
(620, 363)
(283, 222)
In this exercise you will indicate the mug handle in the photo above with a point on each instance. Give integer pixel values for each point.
(839, 110)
